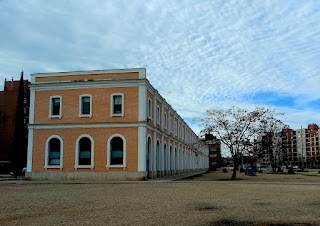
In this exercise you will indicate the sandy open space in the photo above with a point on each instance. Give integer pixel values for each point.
(186, 202)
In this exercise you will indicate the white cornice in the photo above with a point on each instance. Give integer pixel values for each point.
(85, 125)
(141, 71)
(87, 84)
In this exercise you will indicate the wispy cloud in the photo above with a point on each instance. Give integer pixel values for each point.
(198, 54)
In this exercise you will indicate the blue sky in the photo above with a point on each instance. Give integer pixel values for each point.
(198, 54)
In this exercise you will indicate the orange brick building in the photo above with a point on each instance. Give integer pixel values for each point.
(106, 125)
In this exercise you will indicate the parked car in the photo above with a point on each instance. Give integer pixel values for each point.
(296, 168)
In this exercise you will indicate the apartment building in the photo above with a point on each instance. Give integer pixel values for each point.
(312, 152)
(268, 149)
(289, 142)
(298, 147)
(214, 146)
(107, 125)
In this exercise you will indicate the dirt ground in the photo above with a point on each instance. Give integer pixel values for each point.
(309, 176)
(210, 199)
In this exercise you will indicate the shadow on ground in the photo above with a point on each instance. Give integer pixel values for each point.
(225, 222)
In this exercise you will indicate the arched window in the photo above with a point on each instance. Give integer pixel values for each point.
(116, 151)
(149, 154)
(170, 158)
(158, 156)
(54, 152)
(165, 157)
(84, 151)
(175, 159)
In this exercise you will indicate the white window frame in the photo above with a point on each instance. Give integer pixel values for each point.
(124, 165)
(149, 108)
(50, 107)
(158, 115)
(112, 105)
(165, 119)
(80, 106)
(46, 161)
(77, 166)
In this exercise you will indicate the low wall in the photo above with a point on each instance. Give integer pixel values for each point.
(99, 176)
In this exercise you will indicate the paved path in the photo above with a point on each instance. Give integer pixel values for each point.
(177, 177)
(10, 180)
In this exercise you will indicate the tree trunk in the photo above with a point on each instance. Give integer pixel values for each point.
(235, 165)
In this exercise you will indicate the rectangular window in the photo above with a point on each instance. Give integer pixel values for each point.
(85, 106)
(55, 106)
(183, 134)
(165, 120)
(158, 115)
(149, 109)
(117, 105)
(175, 128)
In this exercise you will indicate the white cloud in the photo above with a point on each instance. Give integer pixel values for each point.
(198, 54)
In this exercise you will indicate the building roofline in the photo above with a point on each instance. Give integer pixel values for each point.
(141, 71)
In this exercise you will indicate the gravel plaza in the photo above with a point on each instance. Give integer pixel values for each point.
(209, 199)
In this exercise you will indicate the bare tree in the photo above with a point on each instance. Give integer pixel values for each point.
(269, 144)
(237, 128)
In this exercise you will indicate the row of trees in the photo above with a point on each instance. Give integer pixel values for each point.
(238, 129)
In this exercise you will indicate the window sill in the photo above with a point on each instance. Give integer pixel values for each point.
(116, 166)
(85, 116)
(117, 115)
(53, 167)
(55, 116)
(84, 167)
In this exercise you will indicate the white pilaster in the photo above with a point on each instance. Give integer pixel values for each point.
(142, 103)
(142, 148)
(30, 130)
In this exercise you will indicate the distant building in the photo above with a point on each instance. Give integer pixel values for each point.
(269, 149)
(107, 125)
(8, 108)
(299, 147)
(310, 147)
(289, 142)
(214, 146)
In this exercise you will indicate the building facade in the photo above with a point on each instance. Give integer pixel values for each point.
(214, 146)
(106, 125)
(8, 109)
(298, 147)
